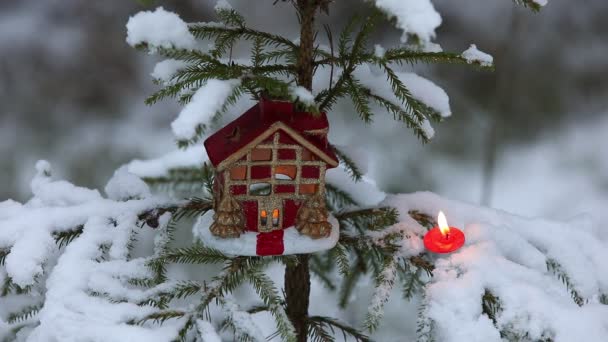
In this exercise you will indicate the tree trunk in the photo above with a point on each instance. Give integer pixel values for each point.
(297, 277)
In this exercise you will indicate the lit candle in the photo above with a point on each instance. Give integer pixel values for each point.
(443, 239)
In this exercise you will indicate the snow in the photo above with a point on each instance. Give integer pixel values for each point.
(293, 241)
(124, 186)
(192, 157)
(244, 324)
(207, 331)
(205, 103)
(303, 95)
(507, 255)
(473, 55)
(420, 88)
(26, 229)
(427, 92)
(414, 17)
(159, 29)
(223, 5)
(58, 193)
(429, 131)
(379, 51)
(164, 70)
(71, 311)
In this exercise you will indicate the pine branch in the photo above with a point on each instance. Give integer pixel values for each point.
(197, 254)
(329, 97)
(64, 238)
(425, 325)
(556, 269)
(182, 334)
(490, 306)
(348, 332)
(193, 208)
(159, 317)
(350, 280)
(604, 299)
(531, 4)
(350, 166)
(203, 31)
(24, 314)
(337, 199)
(385, 281)
(264, 287)
(370, 219)
(3, 254)
(317, 332)
(399, 114)
(422, 218)
(402, 56)
(340, 255)
(359, 98)
(178, 179)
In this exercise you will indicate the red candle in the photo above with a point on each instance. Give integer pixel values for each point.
(443, 239)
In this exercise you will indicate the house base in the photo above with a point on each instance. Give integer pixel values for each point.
(282, 242)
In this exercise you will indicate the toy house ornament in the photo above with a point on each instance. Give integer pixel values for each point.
(270, 183)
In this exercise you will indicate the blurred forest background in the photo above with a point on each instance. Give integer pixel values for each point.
(529, 138)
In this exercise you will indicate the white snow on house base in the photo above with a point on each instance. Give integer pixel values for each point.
(294, 242)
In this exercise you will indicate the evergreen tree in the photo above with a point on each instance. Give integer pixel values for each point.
(371, 242)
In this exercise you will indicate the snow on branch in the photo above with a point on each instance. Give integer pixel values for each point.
(414, 17)
(545, 278)
(206, 102)
(474, 56)
(159, 29)
(88, 287)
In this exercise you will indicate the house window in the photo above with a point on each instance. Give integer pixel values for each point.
(263, 217)
(285, 172)
(309, 171)
(260, 189)
(275, 218)
(307, 155)
(260, 172)
(287, 154)
(238, 172)
(308, 188)
(261, 154)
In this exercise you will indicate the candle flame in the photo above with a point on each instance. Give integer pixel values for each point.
(275, 213)
(443, 224)
(263, 213)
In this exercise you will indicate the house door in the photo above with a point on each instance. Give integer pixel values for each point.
(270, 214)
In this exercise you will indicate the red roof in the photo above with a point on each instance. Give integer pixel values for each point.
(269, 116)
